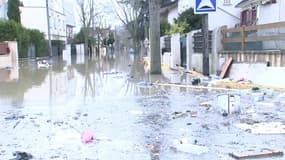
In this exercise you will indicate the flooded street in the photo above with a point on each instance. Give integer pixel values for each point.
(45, 111)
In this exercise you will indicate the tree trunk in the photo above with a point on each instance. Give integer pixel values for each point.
(86, 34)
(154, 36)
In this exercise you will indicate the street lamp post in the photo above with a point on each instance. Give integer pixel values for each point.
(48, 27)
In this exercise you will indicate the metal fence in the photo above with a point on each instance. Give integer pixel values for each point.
(199, 42)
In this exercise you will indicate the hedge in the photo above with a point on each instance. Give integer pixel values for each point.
(11, 31)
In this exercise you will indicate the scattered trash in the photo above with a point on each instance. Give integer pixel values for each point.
(17, 123)
(226, 67)
(263, 128)
(184, 146)
(193, 114)
(225, 114)
(111, 73)
(229, 103)
(145, 84)
(205, 104)
(255, 89)
(181, 114)
(87, 136)
(196, 81)
(14, 117)
(262, 154)
(259, 98)
(22, 156)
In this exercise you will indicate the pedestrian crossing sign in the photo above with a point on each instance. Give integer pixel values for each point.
(205, 6)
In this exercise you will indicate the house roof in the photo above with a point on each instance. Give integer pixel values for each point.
(166, 7)
(245, 3)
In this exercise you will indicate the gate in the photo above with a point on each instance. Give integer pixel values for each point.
(183, 51)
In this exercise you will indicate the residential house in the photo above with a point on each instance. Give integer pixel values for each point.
(34, 15)
(261, 11)
(226, 13)
(3, 9)
(169, 10)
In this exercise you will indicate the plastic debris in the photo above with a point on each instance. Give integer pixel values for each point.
(144, 84)
(229, 103)
(196, 81)
(22, 156)
(14, 117)
(205, 104)
(263, 128)
(87, 136)
(183, 145)
(262, 154)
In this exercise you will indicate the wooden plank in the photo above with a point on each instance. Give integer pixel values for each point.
(279, 37)
(247, 86)
(265, 26)
(231, 30)
(255, 39)
(232, 40)
(195, 87)
(256, 155)
(243, 39)
(226, 67)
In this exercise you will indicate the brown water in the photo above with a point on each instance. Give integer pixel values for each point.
(44, 111)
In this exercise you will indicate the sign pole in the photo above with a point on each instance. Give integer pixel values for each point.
(205, 31)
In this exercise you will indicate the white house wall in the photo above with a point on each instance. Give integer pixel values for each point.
(173, 14)
(225, 15)
(3, 10)
(271, 13)
(33, 15)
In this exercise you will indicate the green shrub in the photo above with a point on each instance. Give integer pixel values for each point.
(38, 39)
(11, 31)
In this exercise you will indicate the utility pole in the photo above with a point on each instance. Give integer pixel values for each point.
(205, 31)
(154, 36)
(48, 23)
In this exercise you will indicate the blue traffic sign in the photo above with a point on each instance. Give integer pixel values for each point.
(205, 6)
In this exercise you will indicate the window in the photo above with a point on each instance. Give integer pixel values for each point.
(249, 16)
(227, 2)
(266, 2)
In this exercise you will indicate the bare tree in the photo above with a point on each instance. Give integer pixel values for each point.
(130, 14)
(87, 12)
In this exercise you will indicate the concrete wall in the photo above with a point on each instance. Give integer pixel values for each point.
(189, 49)
(175, 50)
(258, 73)
(10, 60)
(195, 60)
(276, 58)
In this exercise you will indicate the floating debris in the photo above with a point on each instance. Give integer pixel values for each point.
(22, 156)
(145, 84)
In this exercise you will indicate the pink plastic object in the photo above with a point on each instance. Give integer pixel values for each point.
(87, 136)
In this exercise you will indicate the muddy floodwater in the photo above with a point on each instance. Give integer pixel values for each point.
(45, 109)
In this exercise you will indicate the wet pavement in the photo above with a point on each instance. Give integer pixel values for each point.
(45, 111)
